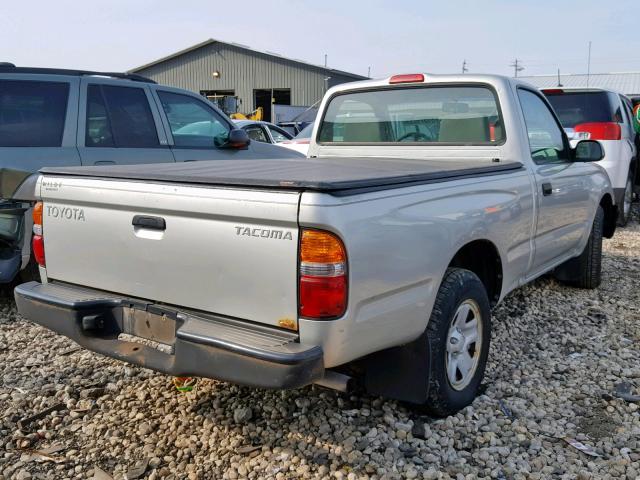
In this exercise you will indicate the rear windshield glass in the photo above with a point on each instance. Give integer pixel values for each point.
(451, 115)
(32, 113)
(574, 108)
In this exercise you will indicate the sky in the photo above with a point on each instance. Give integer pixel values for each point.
(399, 36)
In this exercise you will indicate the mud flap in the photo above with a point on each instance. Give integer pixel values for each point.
(401, 373)
(10, 262)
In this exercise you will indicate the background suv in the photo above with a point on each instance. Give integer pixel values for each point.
(596, 114)
(52, 117)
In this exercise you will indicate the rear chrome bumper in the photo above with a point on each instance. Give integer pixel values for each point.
(198, 344)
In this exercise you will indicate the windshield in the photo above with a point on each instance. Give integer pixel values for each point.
(305, 132)
(460, 115)
(574, 108)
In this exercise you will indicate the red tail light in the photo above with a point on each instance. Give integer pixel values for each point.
(323, 275)
(601, 130)
(407, 78)
(552, 91)
(37, 245)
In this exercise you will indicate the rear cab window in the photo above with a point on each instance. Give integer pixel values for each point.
(435, 114)
(32, 113)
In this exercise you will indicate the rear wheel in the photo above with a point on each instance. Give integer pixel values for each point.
(585, 271)
(624, 212)
(458, 333)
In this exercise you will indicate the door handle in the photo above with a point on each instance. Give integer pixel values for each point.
(151, 223)
(547, 189)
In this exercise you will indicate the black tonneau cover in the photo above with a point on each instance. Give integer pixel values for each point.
(331, 174)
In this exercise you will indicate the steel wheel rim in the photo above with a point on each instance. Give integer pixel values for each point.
(464, 344)
(628, 197)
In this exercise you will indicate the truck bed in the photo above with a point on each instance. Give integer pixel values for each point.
(332, 175)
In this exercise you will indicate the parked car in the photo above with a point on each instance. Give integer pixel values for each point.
(54, 117)
(604, 115)
(263, 132)
(431, 198)
(300, 143)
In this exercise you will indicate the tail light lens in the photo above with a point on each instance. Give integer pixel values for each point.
(37, 243)
(323, 275)
(600, 130)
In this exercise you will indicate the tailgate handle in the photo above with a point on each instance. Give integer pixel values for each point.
(152, 223)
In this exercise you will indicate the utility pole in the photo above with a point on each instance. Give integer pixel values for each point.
(464, 66)
(369, 72)
(325, 60)
(559, 82)
(517, 67)
(589, 64)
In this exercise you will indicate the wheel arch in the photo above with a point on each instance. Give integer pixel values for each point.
(482, 258)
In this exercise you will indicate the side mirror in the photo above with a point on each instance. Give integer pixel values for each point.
(237, 139)
(588, 151)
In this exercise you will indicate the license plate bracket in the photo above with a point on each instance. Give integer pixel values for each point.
(156, 327)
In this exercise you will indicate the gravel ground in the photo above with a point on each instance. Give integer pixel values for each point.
(558, 355)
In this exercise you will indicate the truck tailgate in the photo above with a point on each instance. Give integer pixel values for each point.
(231, 251)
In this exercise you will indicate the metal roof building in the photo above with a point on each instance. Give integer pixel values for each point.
(219, 69)
(627, 83)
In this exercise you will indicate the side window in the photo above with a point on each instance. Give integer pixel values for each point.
(119, 117)
(193, 124)
(278, 135)
(256, 133)
(32, 114)
(98, 129)
(546, 140)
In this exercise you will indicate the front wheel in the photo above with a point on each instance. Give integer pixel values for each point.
(458, 333)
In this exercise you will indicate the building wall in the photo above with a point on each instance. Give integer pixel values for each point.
(243, 71)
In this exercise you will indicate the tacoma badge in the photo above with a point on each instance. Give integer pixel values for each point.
(263, 233)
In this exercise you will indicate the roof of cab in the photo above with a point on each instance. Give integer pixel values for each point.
(430, 79)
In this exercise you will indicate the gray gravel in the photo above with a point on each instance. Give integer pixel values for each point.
(557, 356)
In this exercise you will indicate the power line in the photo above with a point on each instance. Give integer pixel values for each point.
(517, 67)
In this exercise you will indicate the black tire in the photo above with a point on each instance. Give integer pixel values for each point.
(458, 286)
(624, 209)
(585, 271)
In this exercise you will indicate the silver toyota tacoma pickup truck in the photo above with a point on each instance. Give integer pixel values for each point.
(376, 261)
